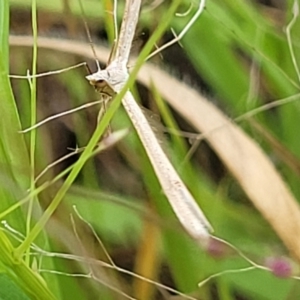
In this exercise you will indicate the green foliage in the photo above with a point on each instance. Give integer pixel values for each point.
(9, 290)
(242, 54)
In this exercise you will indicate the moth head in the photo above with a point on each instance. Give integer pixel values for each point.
(99, 81)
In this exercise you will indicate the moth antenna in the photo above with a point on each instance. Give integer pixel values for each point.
(83, 17)
(101, 113)
(112, 52)
(89, 71)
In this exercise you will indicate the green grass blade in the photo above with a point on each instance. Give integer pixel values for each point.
(14, 162)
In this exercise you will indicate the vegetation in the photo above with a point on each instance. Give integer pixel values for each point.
(95, 224)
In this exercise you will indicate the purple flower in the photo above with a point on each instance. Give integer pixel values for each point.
(280, 266)
(217, 248)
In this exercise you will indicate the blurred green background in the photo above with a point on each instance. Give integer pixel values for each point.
(236, 54)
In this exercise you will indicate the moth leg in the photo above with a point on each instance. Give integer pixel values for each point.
(102, 111)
